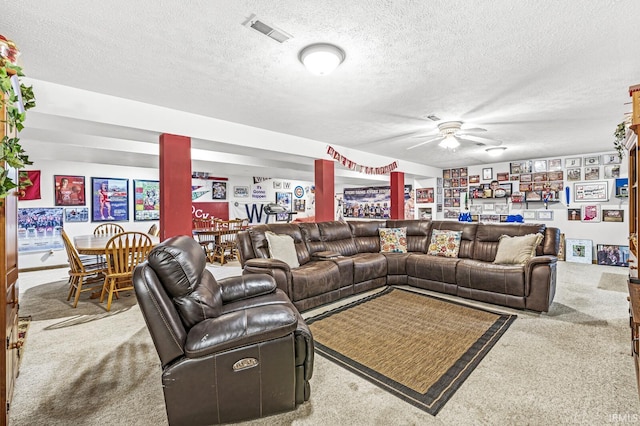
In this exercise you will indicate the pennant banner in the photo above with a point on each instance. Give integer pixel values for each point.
(31, 192)
(352, 165)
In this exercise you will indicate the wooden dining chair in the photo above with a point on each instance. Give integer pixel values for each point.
(154, 231)
(108, 229)
(207, 241)
(225, 247)
(81, 273)
(123, 252)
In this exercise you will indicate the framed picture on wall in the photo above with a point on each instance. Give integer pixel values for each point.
(424, 195)
(613, 215)
(580, 251)
(69, 190)
(574, 214)
(76, 214)
(592, 160)
(614, 255)
(591, 213)
(544, 214)
(109, 199)
(573, 162)
(219, 190)
(146, 200)
(612, 158)
(574, 173)
(591, 191)
(283, 199)
(487, 173)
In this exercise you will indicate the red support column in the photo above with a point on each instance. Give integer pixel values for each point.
(325, 190)
(175, 186)
(397, 195)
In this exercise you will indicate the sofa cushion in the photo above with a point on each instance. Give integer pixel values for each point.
(281, 247)
(393, 240)
(417, 233)
(485, 276)
(314, 278)
(368, 266)
(445, 243)
(432, 268)
(517, 250)
(365, 235)
(337, 237)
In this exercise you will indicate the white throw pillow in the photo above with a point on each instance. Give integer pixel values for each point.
(281, 247)
(517, 250)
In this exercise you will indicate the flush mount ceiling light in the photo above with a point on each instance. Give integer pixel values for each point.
(496, 150)
(449, 142)
(321, 58)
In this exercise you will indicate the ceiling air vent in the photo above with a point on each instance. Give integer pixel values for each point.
(433, 117)
(266, 29)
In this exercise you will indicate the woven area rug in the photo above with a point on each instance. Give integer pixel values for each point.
(419, 348)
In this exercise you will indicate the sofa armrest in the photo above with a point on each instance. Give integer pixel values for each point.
(540, 282)
(278, 269)
(240, 328)
(246, 286)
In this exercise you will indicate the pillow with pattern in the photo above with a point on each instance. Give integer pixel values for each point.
(393, 240)
(445, 243)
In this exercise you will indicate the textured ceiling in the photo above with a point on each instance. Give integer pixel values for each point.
(544, 77)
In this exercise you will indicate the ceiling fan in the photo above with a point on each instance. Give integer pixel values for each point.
(451, 134)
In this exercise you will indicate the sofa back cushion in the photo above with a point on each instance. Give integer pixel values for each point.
(418, 232)
(488, 236)
(337, 237)
(261, 245)
(551, 242)
(366, 236)
(311, 235)
(467, 238)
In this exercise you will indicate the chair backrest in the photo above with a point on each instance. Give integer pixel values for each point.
(75, 265)
(126, 250)
(108, 229)
(154, 231)
(228, 230)
(200, 223)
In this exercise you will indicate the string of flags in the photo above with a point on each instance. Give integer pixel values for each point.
(358, 167)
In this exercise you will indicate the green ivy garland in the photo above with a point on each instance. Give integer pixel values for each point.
(620, 136)
(12, 154)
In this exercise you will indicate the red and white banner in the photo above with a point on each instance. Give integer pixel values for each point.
(352, 165)
(31, 192)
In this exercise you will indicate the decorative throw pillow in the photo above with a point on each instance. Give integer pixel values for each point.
(445, 243)
(517, 250)
(281, 247)
(393, 240)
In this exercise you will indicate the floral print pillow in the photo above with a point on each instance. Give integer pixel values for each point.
(445, 243)
(393, 240)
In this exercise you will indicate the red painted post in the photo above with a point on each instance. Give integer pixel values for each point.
(325, 190)
(175, 186)
(397, 195)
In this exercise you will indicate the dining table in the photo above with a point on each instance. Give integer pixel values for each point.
(97, 244)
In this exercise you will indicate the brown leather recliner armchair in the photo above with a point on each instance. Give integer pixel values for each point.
(231, 350)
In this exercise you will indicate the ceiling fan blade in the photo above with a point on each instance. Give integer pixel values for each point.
(428, 135)
(478, 139)
(474, 129)
(426, 142)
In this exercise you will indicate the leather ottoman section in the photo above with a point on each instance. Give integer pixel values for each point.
(368, 266)
(314, 278)
(397, 279)
(491, 297)
(503, 279)
(440, 287)
(432, 268)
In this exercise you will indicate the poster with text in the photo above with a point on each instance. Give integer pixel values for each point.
(40, 229)
(110, 200)
(373, 202)
(69, 190)
(146, 202)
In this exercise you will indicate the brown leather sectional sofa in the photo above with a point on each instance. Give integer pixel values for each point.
(338, 259)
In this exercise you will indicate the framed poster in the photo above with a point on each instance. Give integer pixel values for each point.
(540, 166)
(544, 214)
(592, 173)
(69, 190)
(146, 203)
(40, 229)
(424, 195)
(614, 255)
(613, 215)
(299, 205)
(574, 174)
(241, 191)
(580, 251)
(283, 199)
(76, 214)
(219, 190)
(487, 173)
(591, 191)
(574, 214)
(573, 162)
(612, 158)
(591, 213)
(612, 171)
(529, 214)
(109, 199)
(592, 160)
(554, 165)
(502, 176)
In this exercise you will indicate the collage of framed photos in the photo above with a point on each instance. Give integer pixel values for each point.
(109, 199)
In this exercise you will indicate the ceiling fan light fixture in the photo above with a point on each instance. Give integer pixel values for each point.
(496, 151)
(321, 58)
(449, 142)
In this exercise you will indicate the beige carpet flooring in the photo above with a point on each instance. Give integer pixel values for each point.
(571, 366)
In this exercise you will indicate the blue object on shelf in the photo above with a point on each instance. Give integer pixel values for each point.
(464, 217)
(515, 218)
